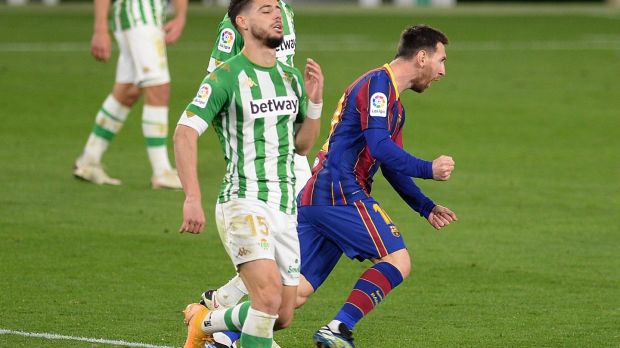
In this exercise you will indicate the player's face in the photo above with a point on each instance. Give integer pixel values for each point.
(433, 70)
(266, 22)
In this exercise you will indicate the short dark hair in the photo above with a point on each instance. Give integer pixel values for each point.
(234, 8)
(417, 38)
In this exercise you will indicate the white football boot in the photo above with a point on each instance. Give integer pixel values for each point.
(168, 180)
(93, 172)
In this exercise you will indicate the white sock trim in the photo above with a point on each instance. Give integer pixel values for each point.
(259, 324)
(334, 326)
(114, 107)
(155, 114)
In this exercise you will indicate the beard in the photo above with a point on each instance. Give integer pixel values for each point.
(422, 83)
(269, 41)
(273, 42)
(419, 87)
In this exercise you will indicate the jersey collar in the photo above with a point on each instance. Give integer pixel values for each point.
(391, 74)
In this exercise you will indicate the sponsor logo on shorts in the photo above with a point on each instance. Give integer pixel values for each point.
(294, 269)
(273, 107)
(202, 96)
(243, 252)
(378, 105)
(227, 39)
(264, 244)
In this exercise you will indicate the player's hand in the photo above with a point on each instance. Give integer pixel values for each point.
(442, 168)
(193, 216)
(441, 217)
(313, 80)
(101, 46)
(174, 29)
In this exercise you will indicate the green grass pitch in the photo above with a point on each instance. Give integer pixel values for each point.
(529, 109)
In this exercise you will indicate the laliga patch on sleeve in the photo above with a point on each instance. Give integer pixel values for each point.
(378, 105)
(202, 96)
(227, 40)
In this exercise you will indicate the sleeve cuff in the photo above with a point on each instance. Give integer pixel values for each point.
(193, 121)
(428, 170)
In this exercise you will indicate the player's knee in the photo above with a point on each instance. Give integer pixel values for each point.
(403, 264)
(133, 95)
(157, 95)
(127, 94)
(405, 269)
(401, 261)
(267, 298)
(304, 291)
(285, 319)
(300, 300)
(302, 297)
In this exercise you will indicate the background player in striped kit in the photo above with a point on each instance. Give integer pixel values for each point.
(253, 102)
(229, 43)
(142, 68)
(337, 215)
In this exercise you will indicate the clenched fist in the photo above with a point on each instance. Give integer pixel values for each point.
(442, 168)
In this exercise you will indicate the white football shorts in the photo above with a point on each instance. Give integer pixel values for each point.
(142, 56)
(252, 230)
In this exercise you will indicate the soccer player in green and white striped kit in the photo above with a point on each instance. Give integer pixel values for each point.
(142, 68)
(229, 43)
(253, 102)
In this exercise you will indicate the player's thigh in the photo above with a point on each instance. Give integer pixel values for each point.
(220, 224)
(148, 52)
(362, 229)
(245, 228)
(125, 68)
(319, 255)
(286, 246)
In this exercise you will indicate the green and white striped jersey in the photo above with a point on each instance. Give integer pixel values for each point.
(253, 110)
(128, 14)
(229, 41)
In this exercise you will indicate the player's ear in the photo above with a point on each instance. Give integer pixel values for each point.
(242, 22)
(421, 57)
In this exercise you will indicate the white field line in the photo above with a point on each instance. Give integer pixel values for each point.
(50, 336)
(351, 44)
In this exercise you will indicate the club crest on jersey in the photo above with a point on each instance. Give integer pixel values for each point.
(250, 82)
(378, 105)
(227, 39)
(276, 106)
(202, 96)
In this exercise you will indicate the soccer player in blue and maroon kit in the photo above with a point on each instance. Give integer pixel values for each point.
(336, 212)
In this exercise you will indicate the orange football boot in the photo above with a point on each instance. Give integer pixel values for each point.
(193, 315)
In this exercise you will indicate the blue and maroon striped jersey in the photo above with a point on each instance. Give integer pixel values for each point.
(366, 134)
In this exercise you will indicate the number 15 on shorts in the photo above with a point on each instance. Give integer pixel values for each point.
(258, 224)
